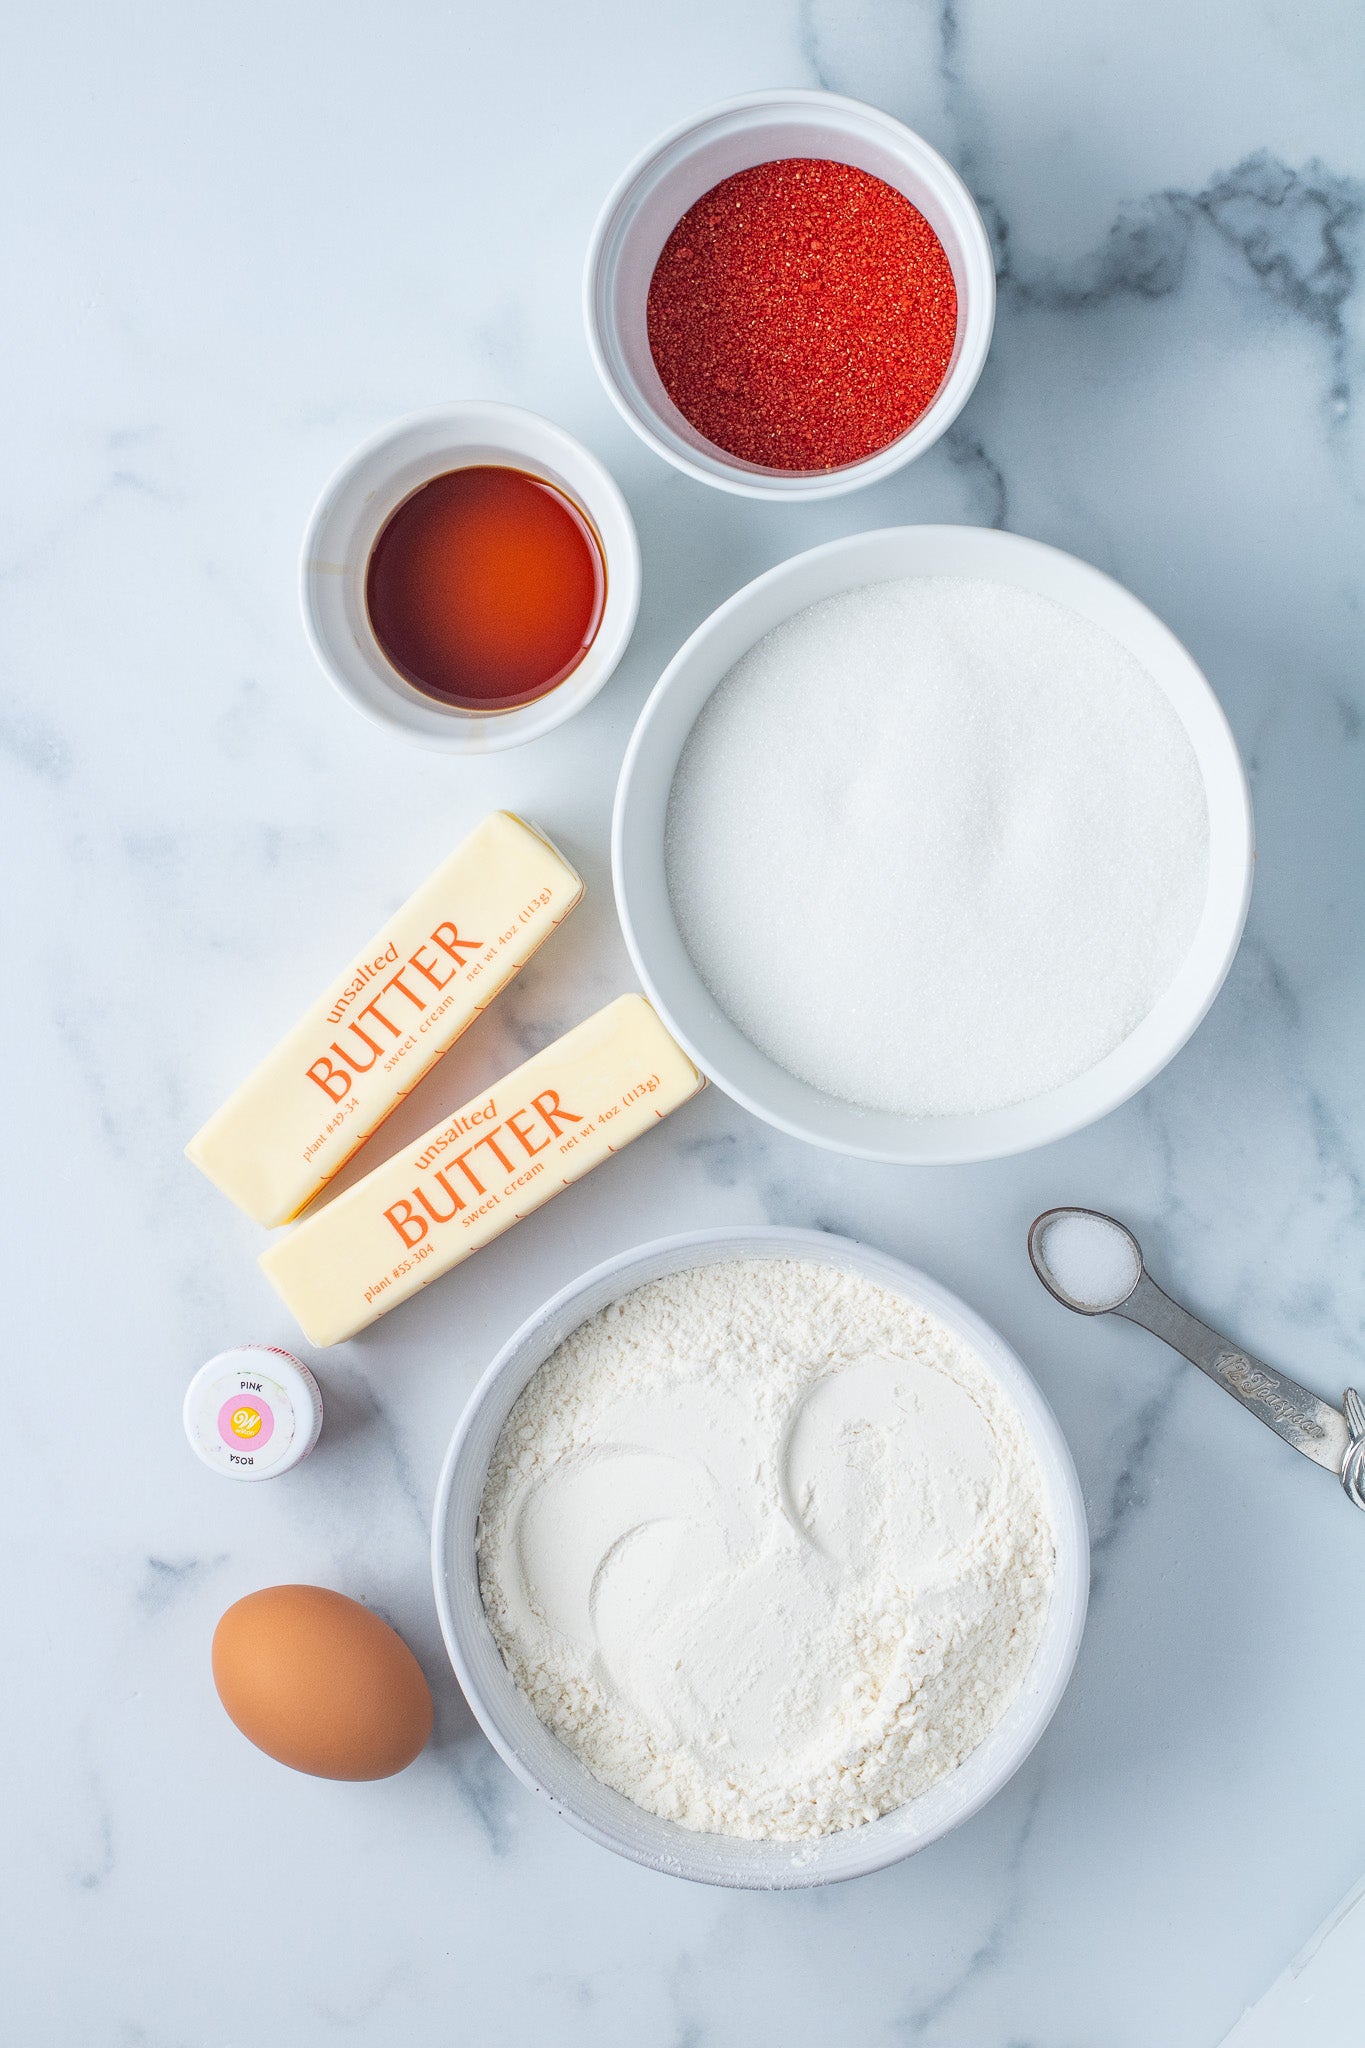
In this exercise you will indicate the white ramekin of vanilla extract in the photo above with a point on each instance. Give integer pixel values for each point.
(470, 577)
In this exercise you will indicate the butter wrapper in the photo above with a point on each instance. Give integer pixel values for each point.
(386, 1019)
(480, 1170)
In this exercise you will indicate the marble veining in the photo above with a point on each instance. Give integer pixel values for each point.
(240, 243)
(920, 2024)
(1291, 227)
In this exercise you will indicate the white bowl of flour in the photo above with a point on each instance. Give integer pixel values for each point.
(932, 845)
(761, 1557)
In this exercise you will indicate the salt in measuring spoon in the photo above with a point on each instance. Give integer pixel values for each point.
(1093, 1264)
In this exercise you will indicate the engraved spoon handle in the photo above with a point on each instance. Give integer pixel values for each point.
(1310, 1425)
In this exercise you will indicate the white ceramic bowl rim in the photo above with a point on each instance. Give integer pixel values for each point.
(661, 960)
(364, 493)
(541, 1761)
(653, 193)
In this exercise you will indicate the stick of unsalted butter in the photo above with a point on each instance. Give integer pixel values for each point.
(386, 1019)
(480, 1170)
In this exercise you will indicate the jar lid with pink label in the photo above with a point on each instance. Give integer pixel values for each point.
(253, 1412)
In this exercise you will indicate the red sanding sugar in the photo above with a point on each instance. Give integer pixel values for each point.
(802, 314)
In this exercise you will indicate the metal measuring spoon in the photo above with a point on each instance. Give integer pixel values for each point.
(1108, 1276)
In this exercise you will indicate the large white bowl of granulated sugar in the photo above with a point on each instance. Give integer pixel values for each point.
(760, 1557)
(932, 845)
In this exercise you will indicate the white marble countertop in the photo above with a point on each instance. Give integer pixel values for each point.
(236, 242)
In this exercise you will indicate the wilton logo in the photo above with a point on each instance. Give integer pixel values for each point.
(245, 1422)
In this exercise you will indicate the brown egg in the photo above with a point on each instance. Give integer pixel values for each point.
(320, 1683)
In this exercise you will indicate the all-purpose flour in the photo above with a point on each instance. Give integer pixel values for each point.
(767, 1547)
(937, 845)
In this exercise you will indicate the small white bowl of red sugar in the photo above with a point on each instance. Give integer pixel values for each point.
(789, 295)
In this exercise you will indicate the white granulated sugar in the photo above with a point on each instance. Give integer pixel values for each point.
(766, 1546)
(1090, 1257)
(937, 845)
